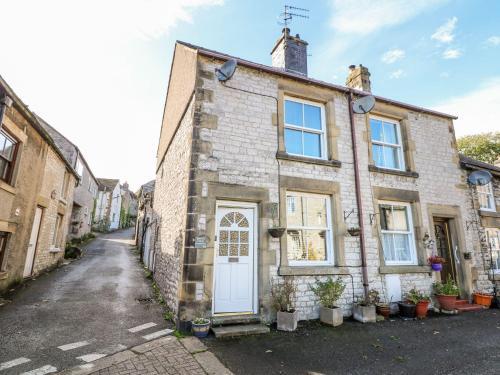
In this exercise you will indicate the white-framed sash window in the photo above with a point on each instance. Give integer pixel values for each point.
(387, 144)
(486, 197)
(398, 239)
(309, 229)
(305, 128)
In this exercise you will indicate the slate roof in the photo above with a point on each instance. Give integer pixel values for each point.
(470, 163)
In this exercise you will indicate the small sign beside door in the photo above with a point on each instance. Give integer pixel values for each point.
(200, 242)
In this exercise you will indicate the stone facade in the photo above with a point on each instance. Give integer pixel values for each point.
(145, 225)
(238, 154)
(108, 205)
(40, 173)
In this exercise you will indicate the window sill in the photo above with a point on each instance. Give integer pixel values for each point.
(8, 188)
(284, 156)
(373, 168)
(312, 270)
(55, 250)
(4, 275)
(404, 269)
(489, 213)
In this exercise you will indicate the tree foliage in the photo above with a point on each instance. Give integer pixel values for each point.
(484, 147)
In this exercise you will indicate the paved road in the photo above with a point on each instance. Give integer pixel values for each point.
(93, 302)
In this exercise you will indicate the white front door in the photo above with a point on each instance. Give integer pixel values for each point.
(235, 244)
(30, 254)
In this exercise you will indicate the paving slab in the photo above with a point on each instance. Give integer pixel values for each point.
(193, 344)
(211, 364)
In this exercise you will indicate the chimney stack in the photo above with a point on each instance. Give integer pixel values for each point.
(359, 78)
(290, 53)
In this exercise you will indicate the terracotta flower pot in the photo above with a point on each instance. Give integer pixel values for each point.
(384, 310)
(446, 302)
(422, 308)
(483, 299)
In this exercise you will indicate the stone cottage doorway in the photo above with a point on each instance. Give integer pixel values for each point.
(444, 246)
(235, 258)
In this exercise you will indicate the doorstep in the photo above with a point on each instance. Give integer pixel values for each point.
(227, 320)
(240, 330)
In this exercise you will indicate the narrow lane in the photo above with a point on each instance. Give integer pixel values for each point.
(81, 311)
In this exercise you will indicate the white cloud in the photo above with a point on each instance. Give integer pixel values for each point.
(478, 111)
(493, 40)
(367, 16)
(451, 53)
(97, 71)
(444, 33)
(393, 55)
(397, 74)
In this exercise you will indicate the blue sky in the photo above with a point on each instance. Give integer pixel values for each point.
(98, 70)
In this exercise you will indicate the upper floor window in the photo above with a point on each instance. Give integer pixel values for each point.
(486, 197)
(65, 185)
(309, 229)
(305, 128)
(398, 240)
(57, 234)
(387, 146)
(8, 148)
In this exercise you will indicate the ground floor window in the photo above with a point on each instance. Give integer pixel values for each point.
(309, 228)
(493, 235)
(57, 237)
(398, 240)
(3, 248)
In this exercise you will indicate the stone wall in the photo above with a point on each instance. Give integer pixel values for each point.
(170, 206)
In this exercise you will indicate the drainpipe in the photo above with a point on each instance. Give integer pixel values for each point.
(358, 197)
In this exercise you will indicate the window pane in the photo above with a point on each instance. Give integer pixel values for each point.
(4, 167)
(315, 212)
(312, 117)
(294, 217)
(8, 150)
(400, 220)
(390, 135)
(388, 247)
(293, 141)
(296, 247)
(316, 244)
(376, 130)
(391, 157)
(312, 144)
(378, 157)
(293, 113)
(385, 217)
(402, 247)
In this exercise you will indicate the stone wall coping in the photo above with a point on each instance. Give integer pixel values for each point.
(312, 270)
(404, 269)
(285, 156)
(373, 168)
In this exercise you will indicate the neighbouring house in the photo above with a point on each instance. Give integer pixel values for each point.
(85, 193)
(273, 148)
(145, 227)
(108, 205)
(128, 211)
(484, 217)
(36, 193)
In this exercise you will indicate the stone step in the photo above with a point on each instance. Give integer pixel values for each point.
(228, 320)
(240, 330)
(461, 302)
(469, 307)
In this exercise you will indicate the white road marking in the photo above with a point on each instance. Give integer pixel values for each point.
(14, 362)
(141, 327)
(73, 345)
(91, 357)
(157, 334)
(41, 370)
(86, 366)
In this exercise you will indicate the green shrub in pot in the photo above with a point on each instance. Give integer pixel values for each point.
(329, 292)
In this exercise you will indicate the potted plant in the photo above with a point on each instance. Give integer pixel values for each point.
(364, 311)
(482, 298)
(423, 305)
(446, 294)
(282, 298)
(275, 231)
(408, 307)
(329, 292)
(436, 262)
(382, 308)
(200, 327)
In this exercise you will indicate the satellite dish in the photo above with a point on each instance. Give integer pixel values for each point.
(363, 105)
(480, 178)
(226, 71)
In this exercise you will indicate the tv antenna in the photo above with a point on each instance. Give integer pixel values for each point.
(290, 11)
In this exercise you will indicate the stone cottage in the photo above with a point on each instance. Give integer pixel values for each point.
(128, 212)
(272, 147)
(108, 205)
(483, 218)
(36, 193)
(85, 193)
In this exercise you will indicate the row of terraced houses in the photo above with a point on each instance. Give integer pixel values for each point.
(273, 148)
(48, 193)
